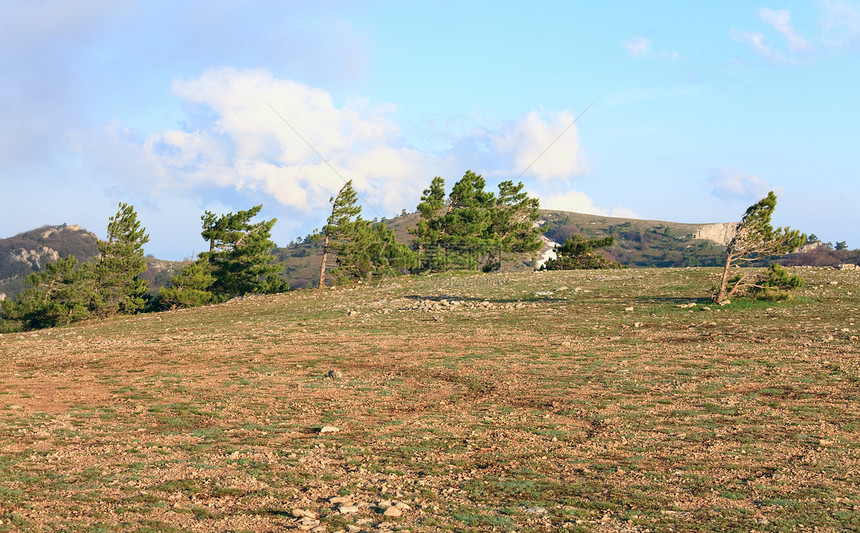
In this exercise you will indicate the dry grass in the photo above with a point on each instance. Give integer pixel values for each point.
(484, 402)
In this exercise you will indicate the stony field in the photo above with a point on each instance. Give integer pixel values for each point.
(558, 401)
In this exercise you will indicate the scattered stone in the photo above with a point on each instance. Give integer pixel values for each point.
(637, 324)
(725, 302)
(329, 429)
(302, 513)
(392, 512)
(340, 499)
(706, 308)
(834, 283)
(308, 524)
(335, 374)
(628, 309)
(351, 312)
(534, 510)
(687, 305)
(348, 509)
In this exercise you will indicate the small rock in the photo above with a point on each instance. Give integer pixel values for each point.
(628, 309)
(725, 302)
(637, 324)
(687, 305)
(340, 499)
(706, 308)
(834, 283)
(302, 513)
(335, 374)
(329, 429)
(348, 509)
(393, 512)
(534, 510)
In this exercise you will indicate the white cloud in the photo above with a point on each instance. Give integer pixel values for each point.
(239, 143)
(542, 145)
(579, 202)
(733, 184)
(638, 46)
(756, 41)
(840, 23)
(780, 20)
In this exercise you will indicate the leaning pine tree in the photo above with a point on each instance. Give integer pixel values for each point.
(755, 238)
(240, 255)
(341, 225)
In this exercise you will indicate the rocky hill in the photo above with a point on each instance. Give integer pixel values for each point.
(29, 252)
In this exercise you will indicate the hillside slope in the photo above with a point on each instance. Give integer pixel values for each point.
(551, 401)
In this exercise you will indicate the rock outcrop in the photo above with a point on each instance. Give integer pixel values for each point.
(720, 233)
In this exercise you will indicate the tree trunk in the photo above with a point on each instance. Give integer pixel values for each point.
(721, 295)
(322, 266)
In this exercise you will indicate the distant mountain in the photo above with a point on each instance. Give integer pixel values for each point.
(30, 251)
(638, 243)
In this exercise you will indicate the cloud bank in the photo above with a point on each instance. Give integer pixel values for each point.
(253, 135)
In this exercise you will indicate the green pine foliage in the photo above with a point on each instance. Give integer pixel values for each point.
(775, 283)
(579, 253)
(240, 255)
(340, 228)
(116, 287)
(55, 298)
(372, 251)
(188, 288)
(66, 292)
(364, 249)
(755, 238)
(473, 229)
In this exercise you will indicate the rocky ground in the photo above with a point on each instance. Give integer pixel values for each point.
(555, 401)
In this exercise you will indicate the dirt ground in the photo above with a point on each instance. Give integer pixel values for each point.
(556, 401)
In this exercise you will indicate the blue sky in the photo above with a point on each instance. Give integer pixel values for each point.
(694, 111)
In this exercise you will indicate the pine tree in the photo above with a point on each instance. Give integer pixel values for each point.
(430, 230)
(371, 250)
(512, 226)
(55, 298)
(116, 287)
(341, 225)
(755, 238)
(240, 254)
(474, 228)
(363, 248)
(579, 253)
(189, 287)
